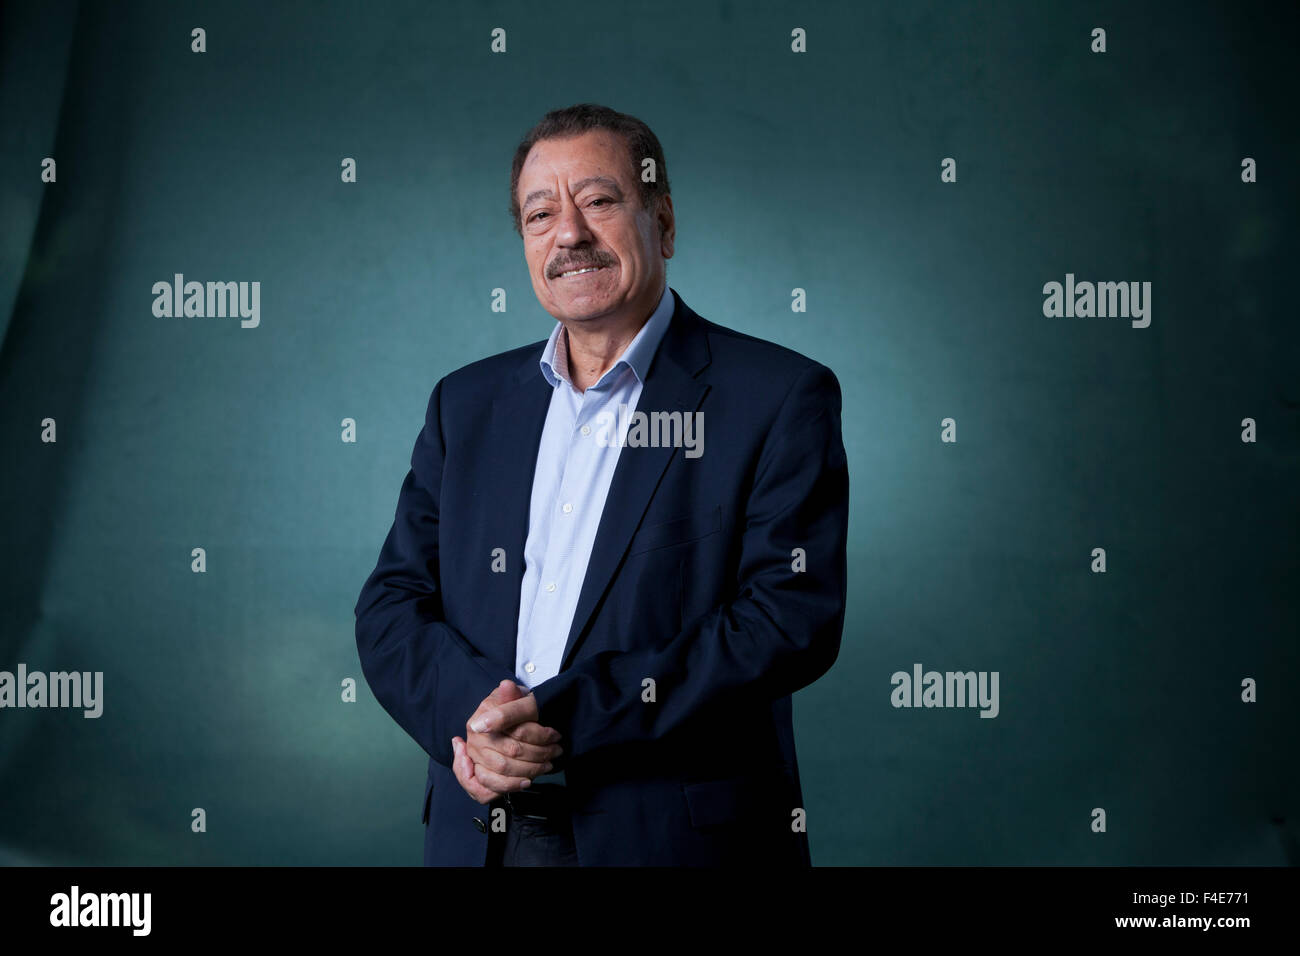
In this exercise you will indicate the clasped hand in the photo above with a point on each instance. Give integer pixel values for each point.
(504, 746)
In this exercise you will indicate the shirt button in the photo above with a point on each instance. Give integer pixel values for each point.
(551, 586)
(586, 429)
(482, 827)
(530, 667)
(567, 507)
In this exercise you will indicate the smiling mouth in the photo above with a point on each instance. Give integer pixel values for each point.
(578, 272)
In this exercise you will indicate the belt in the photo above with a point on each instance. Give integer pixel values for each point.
(541, 801)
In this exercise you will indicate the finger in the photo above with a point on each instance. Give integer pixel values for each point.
(488, 758)
(499, 752)
(461, 767)
(475, 787)
(507, 691)
(503, 693)
(505, 767)
(483, 785)
(495, 760)
(503, 716)
(464, 771)
(509, 748)
(498, 782)
(531, 732)
(484, 721)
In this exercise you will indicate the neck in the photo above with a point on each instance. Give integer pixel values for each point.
(594, 346)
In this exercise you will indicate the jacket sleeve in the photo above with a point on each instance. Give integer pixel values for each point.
(423, 672)
(781, 631)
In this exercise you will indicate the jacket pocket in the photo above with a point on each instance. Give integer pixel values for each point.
(678, 530)
(756, 797)
(428, 796)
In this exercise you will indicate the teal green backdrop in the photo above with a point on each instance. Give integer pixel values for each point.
(818, 171)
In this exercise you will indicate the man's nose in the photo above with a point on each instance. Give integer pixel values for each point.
(572, 226)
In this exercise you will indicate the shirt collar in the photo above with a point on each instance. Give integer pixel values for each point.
(637, 355)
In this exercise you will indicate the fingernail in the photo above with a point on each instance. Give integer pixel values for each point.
(527, 782)
(548, 768)
(479, 726)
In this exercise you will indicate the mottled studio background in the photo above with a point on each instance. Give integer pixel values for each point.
(818, 171)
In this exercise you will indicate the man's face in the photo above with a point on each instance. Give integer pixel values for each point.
(581, 208)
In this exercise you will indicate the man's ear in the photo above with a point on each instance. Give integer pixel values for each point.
(667, 225)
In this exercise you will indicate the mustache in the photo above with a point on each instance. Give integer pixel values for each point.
(598, 261)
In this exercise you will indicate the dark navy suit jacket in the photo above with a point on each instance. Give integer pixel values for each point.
(721, 578)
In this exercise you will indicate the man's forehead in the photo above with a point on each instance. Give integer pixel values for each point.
(599, 146)
(592, 142)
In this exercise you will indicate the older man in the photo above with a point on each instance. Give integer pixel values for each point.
(592, 610)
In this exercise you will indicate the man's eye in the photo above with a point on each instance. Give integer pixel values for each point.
(600, 199)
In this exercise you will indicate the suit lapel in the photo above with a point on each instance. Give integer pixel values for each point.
(518, 417)
(670, 385)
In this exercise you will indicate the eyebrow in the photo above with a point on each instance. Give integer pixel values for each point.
(578, 187)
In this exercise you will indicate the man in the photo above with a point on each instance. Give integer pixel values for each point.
(593, 623)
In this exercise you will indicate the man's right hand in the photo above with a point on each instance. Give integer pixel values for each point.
(490, 764)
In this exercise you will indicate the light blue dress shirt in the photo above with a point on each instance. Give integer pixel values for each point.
(575, 465)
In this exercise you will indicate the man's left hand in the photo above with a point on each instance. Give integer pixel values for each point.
(503, 715)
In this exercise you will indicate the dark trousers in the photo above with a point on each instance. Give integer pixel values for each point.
(530, 841)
